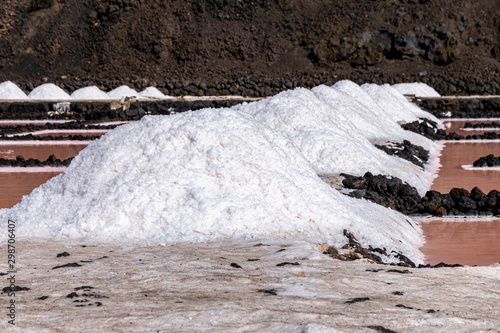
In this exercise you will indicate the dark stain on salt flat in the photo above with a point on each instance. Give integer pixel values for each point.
(381, 329)
(84, 288)
(73, 264)
(42, 298)
(72, 295)
(288, 263)
(235, 265)
(253, 259)
(374, 270)
(357, 300)
(405, 271)
(62, 254)
(87, 293)
(268, 291)
(410, 308)
(90, 304)
(92, 260)
(16, 288)
(440, 265)
(398, 293)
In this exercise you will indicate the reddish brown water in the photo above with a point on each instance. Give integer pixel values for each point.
(454, 155)
(16, 184)
(457, 126)
(41, 151)
(466, 243)
(471, 241)
(13, 185)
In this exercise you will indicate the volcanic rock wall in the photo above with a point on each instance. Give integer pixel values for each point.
(252, 48)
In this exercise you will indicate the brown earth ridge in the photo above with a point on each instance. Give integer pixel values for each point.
(251, 48)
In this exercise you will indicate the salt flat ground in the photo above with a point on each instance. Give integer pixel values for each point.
(194, 288)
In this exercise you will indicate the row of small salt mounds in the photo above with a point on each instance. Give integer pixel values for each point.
(49, 91)
(248, 172)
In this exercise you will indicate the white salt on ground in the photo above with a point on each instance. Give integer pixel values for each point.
(123, 91)
(418, 89)
(152, 92)
(9, 90)
(200, 176)
(89, 93)
(48, 91)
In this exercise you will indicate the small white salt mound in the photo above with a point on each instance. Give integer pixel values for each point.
(395, 104)
(89, 93)
(151, 92)
(48, 91)
(418, 89)
(201, 176)
(122, 91)
(9, 90)
(332, 144)
(386, 122)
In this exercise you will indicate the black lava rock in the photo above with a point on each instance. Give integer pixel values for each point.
(393, 193)
(487, 161)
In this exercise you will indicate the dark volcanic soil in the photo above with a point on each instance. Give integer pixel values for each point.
(254, 48)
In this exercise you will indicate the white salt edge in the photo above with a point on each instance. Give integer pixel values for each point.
(89, 93)
(9, 90)
(48, 91)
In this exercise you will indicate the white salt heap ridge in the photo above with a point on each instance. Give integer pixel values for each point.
(385, 116)
(9, 90)
(89, 93)
(123, 91)
(418, 89)
(395, 104)
(152, 92)
(323, 131)
(48, 91)
(201, 176)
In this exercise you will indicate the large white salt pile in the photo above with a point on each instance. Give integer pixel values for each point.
(122, 91)
(151, 92)
(200, 176)
(9, 90)
(332, 144)
(48, 91)
(418, 89)
(89, 93)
